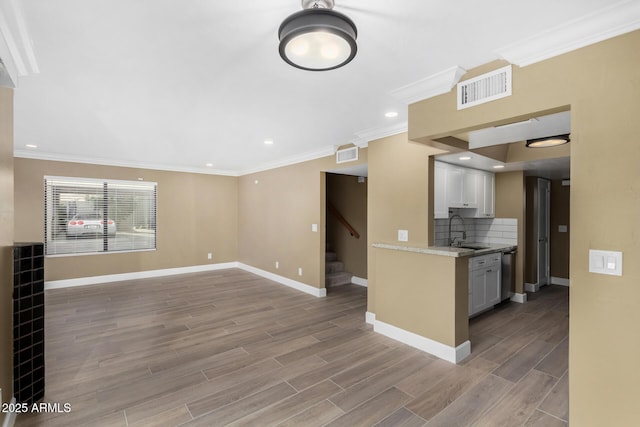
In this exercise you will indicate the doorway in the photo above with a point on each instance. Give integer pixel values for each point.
(543, 213)
(547, 232)
(346, 230)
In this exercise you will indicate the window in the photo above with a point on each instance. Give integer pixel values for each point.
(84, 216)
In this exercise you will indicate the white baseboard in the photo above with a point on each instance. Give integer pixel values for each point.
(359, 281)
(316, 292)
(560, 281)
(531, 287)
(10, 417)
(94, 280)
(84, 281)
(450, 354)
(370, 318)
(519, 298)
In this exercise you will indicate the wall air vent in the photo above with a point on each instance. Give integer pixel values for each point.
(347, 155)
(485, 88)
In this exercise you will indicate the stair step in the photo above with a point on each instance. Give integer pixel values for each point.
(330, 256)
(337, 279)
(333, 266)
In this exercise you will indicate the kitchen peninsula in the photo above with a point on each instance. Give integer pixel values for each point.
(422, 295)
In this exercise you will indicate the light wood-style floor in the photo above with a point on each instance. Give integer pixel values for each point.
(229, 347)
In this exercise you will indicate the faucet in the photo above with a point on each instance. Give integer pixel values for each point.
(451, 241)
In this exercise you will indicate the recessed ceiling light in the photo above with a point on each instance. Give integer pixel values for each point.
(31, 146)
(209, 165)
(464, 158)
(268, 141)
(498, 166)
(391, 114)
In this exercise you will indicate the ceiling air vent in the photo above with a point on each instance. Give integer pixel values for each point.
(485, 88)
(347, 155)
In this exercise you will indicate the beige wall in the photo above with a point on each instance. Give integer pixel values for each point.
(276, 210)
(560, 215)
(197, 214)
(601, 86)
(6, 244)
(350, 199)
(398, 196)
(423, 294)
(510, 204)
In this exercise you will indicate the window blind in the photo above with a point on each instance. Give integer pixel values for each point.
(84, 216)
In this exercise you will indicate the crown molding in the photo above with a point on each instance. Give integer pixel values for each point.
(291, 160)
(619, 18)
(431, 86)
(372, 134)
(362, 142)
(25, 154)
(17, 51)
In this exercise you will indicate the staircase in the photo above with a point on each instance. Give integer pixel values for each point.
(334, 271)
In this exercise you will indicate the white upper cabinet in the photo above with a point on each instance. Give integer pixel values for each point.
(440, 207)
(486, 195)
(458, 187)
(455, 182)
(470, 188)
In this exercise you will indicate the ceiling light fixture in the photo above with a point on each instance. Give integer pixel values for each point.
(498, 166)
(317, 38)
(464, 158)
(31, 146)
(391, 114)
(549, 141)
(268, 141)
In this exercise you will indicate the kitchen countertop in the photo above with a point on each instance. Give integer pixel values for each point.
(444, 250)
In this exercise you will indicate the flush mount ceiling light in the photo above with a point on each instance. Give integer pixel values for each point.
(317, 38)
(549, 141)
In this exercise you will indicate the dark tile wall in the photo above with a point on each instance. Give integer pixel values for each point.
(28, 322)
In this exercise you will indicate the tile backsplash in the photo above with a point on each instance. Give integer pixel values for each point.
(479, 230)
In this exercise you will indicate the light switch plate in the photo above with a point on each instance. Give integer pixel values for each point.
(314, 228)
(605, 262)
(403, 235)
(562, 229)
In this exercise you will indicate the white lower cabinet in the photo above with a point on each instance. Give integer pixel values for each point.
(484, 282)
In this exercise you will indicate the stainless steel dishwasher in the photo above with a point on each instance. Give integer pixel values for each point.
(508, 274)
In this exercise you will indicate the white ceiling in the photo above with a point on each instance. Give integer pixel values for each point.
(554, 168)
(536, 127)
(178, 84)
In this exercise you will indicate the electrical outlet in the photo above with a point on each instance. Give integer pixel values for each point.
(403, 235)
(209, 255)
(299, 271)
(314, 228)
(277, 265)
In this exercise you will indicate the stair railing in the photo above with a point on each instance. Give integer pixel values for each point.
(342, 220)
